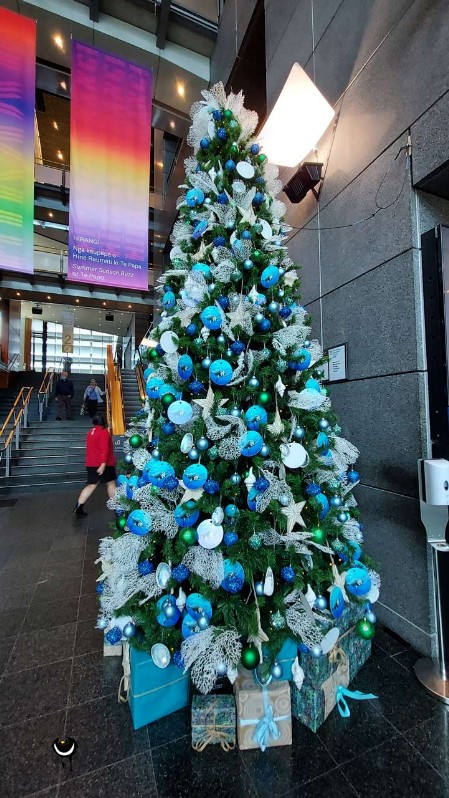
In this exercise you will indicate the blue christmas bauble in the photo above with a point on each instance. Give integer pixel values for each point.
(255, 149)
(246, 235)
(202, 444)
(343, 517)
(194, 197)
(273, 307)
(285, 312)
(353, 476)
(178, 660)
(204, 144)
(253, 382)
(284, 500)
(258, 587)
(259, 317)
(371, 616)
(250, 443)
(269, 276)
(237, 347)
(211, 486)
(255, 416)
(180, 572)
(323, 423)
(258, 198)
(321, 603)
(251, 500)
(152, 387)
(195, 476)
(231, 511)
(168, 614)
(235, 479)
(139, 522)
(99, 588)
(129, 630)
(191, 329)
(211, 317)
(196, 387)
(265, 450)
(265, 325)
(316, 652)
(217, 115)
(168, 300)
(248, 264)
(276, 670)
(335, 501)
(313, 385)
(230, 538)
(288, 574)
(299, 433)
(114, 635)
(219, 241)
(261, 484)
(206, 363)
(168, 428)
(194, 454)
(220, 372)
(170, 483)
(223, 301)
(128, 458)
(222, 198)
(321, 499)
(185, 367)
(160, 350)
(102, 623)
(221, 134)
(221, 340)
(145, 567)
(230, 165)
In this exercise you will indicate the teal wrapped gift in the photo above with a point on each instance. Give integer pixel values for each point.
(154, 692)
(213, 721)
(317, 670)
(286, 658)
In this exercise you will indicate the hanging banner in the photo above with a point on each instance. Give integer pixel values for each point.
(68, 326)
(110, 133)
(17, 87)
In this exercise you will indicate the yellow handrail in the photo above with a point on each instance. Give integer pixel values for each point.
(25, 401)
(13, 430)
(46, 382)
(140, 382)
(115, 400)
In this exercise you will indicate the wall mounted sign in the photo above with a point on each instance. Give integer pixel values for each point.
(336, 369)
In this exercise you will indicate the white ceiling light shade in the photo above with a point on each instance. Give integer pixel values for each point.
(297, 121)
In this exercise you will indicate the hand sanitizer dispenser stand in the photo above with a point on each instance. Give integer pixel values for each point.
(434, 501)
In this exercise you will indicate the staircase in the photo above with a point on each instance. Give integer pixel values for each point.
(131, 399)
(51, 453)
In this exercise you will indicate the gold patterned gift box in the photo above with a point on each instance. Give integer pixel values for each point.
(264, 717)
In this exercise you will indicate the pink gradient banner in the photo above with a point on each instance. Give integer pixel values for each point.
(17, 82)
(110, 133)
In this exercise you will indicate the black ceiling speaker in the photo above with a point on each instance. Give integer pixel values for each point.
(36, 311)
(109, 317)
(304, 180)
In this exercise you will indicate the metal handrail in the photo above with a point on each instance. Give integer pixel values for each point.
(45, 390)
(115, 394)
(140, 381)
(20, 420)
(13, 361)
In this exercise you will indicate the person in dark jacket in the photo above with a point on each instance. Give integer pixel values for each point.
(100, 463)
(64, 394)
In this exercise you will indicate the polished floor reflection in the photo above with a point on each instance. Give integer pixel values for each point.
(55, 681)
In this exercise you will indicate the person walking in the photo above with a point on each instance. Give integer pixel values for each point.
(64, 393)
(100, 463)
(93, 397)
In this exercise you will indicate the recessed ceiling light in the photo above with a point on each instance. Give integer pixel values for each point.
(60, 155)
(59, 41)
(104, 304)
(76, 300)
(63, 85)
(48, 297)
(17, 293)
(50, 214)
(172, 124)
(181, 89)
(55, 125)
(159, 164)
(130, 306)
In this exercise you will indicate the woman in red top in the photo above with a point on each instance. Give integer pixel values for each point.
(100, 463)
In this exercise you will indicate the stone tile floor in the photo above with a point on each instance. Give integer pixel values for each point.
(55, 681)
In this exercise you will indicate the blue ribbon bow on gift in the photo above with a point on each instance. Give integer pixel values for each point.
(267, 725)
(356, 695)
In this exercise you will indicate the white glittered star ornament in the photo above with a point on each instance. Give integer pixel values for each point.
(339, 581)
(208, 403)
(185, 316)
(293, 515)
(191, 494)
(247, 215)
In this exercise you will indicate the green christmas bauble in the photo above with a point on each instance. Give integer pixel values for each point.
(135, 441)
(227, 114)
(324, 392)
(250, 657)
(262, 157)
(264, 398)
(318, 535)
(167, 399)
(255, 541)
(188, 535)
(120, 522)
(153, 354)
(365, 629)
(257, 254)
(213, 452)
(234, 150)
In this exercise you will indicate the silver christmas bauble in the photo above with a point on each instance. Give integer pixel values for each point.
(155, 454)
(265, 450)
(276, 670)
(335, 501)
(206, 363)
(222, 669)
(258, 317)
(129, 630)
(281, 292)
(128, 458)
(102, 623)
(307, 343)
(284, 499)
(258, 587)
(281, 271)
(208, 201)
(253, 382)
(299, 433)
(202, 444)
(273, 307)
(316, 651)
(235, 479)
(248, 264)
(371, 616)
(342, 517)
(323, 423)
(194, 454)
(228, 353)
(221, 339)
(169, 609)
(236, 412)
(211, 286)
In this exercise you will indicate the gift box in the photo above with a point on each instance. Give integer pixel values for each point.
(312, 705)
(154, 692)
(213, 721)
(318, 669)
(286, 658)
(263, 713)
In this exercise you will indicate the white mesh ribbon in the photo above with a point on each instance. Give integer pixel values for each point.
(301, 624)
(229, 448)
(163, 519)
(140, 458)
(222, 271)
(205, 652)
(293, 335)
(277, 487)
(308, 400)
(206, 563)
(344, 453)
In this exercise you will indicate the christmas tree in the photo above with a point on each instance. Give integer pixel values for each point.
(236, 526)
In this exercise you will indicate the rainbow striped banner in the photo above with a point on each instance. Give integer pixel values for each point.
(17, 82)
(110, 137)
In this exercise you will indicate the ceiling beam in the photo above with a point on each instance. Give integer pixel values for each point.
(94, 10)
(162, 28)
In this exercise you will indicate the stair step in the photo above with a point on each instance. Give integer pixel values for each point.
(49, 451)
(7, 489)
(46, 479)
(43, 469)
